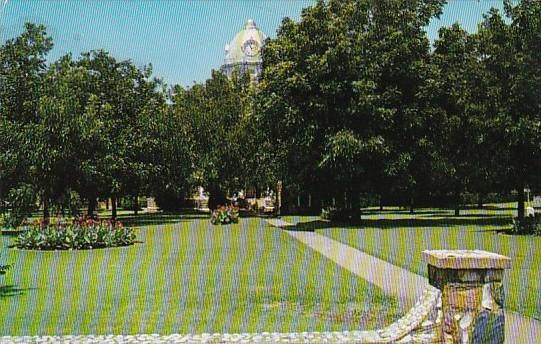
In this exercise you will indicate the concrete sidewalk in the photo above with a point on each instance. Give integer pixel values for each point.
(405, 285)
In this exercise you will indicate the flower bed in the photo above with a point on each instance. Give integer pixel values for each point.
(225, 215)
(81, 234)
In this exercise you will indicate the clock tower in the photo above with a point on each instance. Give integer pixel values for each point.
(243, 53)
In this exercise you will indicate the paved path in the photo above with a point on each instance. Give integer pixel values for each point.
(405, 285)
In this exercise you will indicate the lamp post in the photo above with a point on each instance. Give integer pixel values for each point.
(279, 196)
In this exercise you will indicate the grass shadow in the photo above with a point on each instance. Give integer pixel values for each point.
(12, 233)
(312, 226)
(488, 207)
(510, 233)
(437, 222)
(12, 290)
(159, 218)
(149, 222)
(469, 216)
(434, 212)
(399, 222)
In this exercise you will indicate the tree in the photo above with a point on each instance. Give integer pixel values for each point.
(119, 98)
(511, 55)
(22, 69)
(59, 131)
(213, 116)
(339, 96)
(460, 131)
(22, 66)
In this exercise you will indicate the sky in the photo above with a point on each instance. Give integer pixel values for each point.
(183, 39)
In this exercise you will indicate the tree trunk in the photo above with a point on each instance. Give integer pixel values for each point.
(520, 200)
(113, 207)
(92, 208)
(135, 205)
(380, 203)
(355, 206)
(457, 201)
(217, 198)
(46, 213)
(412, 205)
(480, 201)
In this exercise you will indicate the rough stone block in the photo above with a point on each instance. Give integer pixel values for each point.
(494, 275)
(466, 259)
(461, 297)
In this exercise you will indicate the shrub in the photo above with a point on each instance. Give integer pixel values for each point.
(225, 215)
(131, 203)
(10, 221)
(80, 235)
(336, 214)
(528, 225)
(22, 201)
(170, 201)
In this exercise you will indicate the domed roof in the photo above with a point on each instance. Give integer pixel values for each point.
(246, 46)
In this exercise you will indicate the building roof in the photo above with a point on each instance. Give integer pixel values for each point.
(246, 46)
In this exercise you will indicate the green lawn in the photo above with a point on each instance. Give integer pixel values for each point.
(398, 237)
(186, 277)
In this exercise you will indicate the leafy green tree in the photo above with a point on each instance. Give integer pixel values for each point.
(511, 54)
(22, 67)
(339, 96)
(119, 98)
(460, 130)
(212, 117)
(57, 137)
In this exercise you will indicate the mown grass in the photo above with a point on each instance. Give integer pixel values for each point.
(186, 276)
(399, 238)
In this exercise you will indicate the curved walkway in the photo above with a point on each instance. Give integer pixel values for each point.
(405, 285)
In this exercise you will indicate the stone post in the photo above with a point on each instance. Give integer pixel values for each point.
(472, 294)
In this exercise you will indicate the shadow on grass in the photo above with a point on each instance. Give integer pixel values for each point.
(470, 216)
(312, 226)
(488, 207)
(396, 223)
(509, 233)
(437, 222)
(434, 212)
(12, 290)
(159, 219)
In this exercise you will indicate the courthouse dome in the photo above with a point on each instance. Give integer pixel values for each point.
(246, 46)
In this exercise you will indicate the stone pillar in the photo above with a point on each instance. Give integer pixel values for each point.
(472, 294)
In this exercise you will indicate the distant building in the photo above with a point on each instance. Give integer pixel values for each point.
(243, 53)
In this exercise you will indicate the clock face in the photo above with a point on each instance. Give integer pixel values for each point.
(250, 47)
